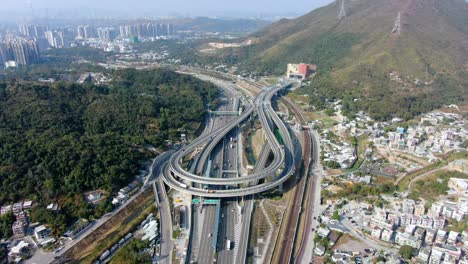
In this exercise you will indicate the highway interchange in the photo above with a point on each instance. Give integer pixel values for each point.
(216, 173)
(210, 170)
(282, 155)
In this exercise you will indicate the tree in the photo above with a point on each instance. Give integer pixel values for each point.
(330, 112)
(332, 164)
(60, 140)
(336, 215)
(6, 221)
(407, 251)
(465, 144)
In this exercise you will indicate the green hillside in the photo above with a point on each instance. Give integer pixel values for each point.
(60, 140)
(356, 55)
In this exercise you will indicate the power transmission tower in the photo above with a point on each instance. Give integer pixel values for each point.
(342, 13)
(397, 27)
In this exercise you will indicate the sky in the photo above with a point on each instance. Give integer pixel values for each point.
(212, 8)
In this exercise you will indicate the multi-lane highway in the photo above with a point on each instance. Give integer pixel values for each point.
(213, 162)
(215, 174)
(280, 168)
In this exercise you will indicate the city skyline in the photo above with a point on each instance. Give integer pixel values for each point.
(107, 8)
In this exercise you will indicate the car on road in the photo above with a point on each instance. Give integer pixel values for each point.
(210, 235)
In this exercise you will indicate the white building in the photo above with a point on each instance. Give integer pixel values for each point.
(452, 237)
(424, 254)
(41, 232)
(407, 239)
(376, 232)
(436, 208)
(387, 235)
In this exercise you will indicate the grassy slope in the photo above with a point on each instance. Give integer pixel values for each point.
(358, 53)
(429, 37)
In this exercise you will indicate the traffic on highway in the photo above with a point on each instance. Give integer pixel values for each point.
(279, 169)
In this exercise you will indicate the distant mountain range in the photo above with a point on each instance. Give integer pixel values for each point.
(371, 53)
(221, 25)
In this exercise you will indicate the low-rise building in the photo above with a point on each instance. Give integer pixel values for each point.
(376, 232)
(448, 211)
(41, 232)
(451, 254)
(5, 209)
(424, 255)
(410, 229)
(53, 207)
(405, 220)
(300, 71)
(458, 215)
(333, 238)
(420, 233)
(419, 209)
(436, 208)
(426, 221)
(323, 232)
(387, 235)
(18, 249)
(388, 224)
(441, 236)
(407, 239)
(462, 205)
(408, 206)
(439, 223)
(460, 186)
(19, 229)
(430, 236)
(27, 205)
(319, 250)
(436, 256)
(17, 207)
(453, 237)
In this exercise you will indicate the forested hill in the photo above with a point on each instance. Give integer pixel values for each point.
(62, 139)
(390, 72)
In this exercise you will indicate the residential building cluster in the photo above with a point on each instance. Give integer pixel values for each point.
(426, 232)
(124, 193)
(342, 152)
(23, 230)
(141, 30)
(43, 35)
(146, 30)
(18, 51)
(430, 136)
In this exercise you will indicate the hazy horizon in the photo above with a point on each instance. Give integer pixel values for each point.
(212, 8)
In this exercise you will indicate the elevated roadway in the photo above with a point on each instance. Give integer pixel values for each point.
(283, 157)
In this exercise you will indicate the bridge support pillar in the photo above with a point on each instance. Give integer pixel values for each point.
(280, 187)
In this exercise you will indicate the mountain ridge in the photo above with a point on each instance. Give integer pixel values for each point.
(359, 56)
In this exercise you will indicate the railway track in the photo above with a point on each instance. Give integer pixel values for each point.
(287, 244)
(292, 221)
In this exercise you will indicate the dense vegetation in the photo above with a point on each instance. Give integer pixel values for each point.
(59, 140)
(407, 251)
(356, 55)
(378, 101)
(132, 254)
(6, 221)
